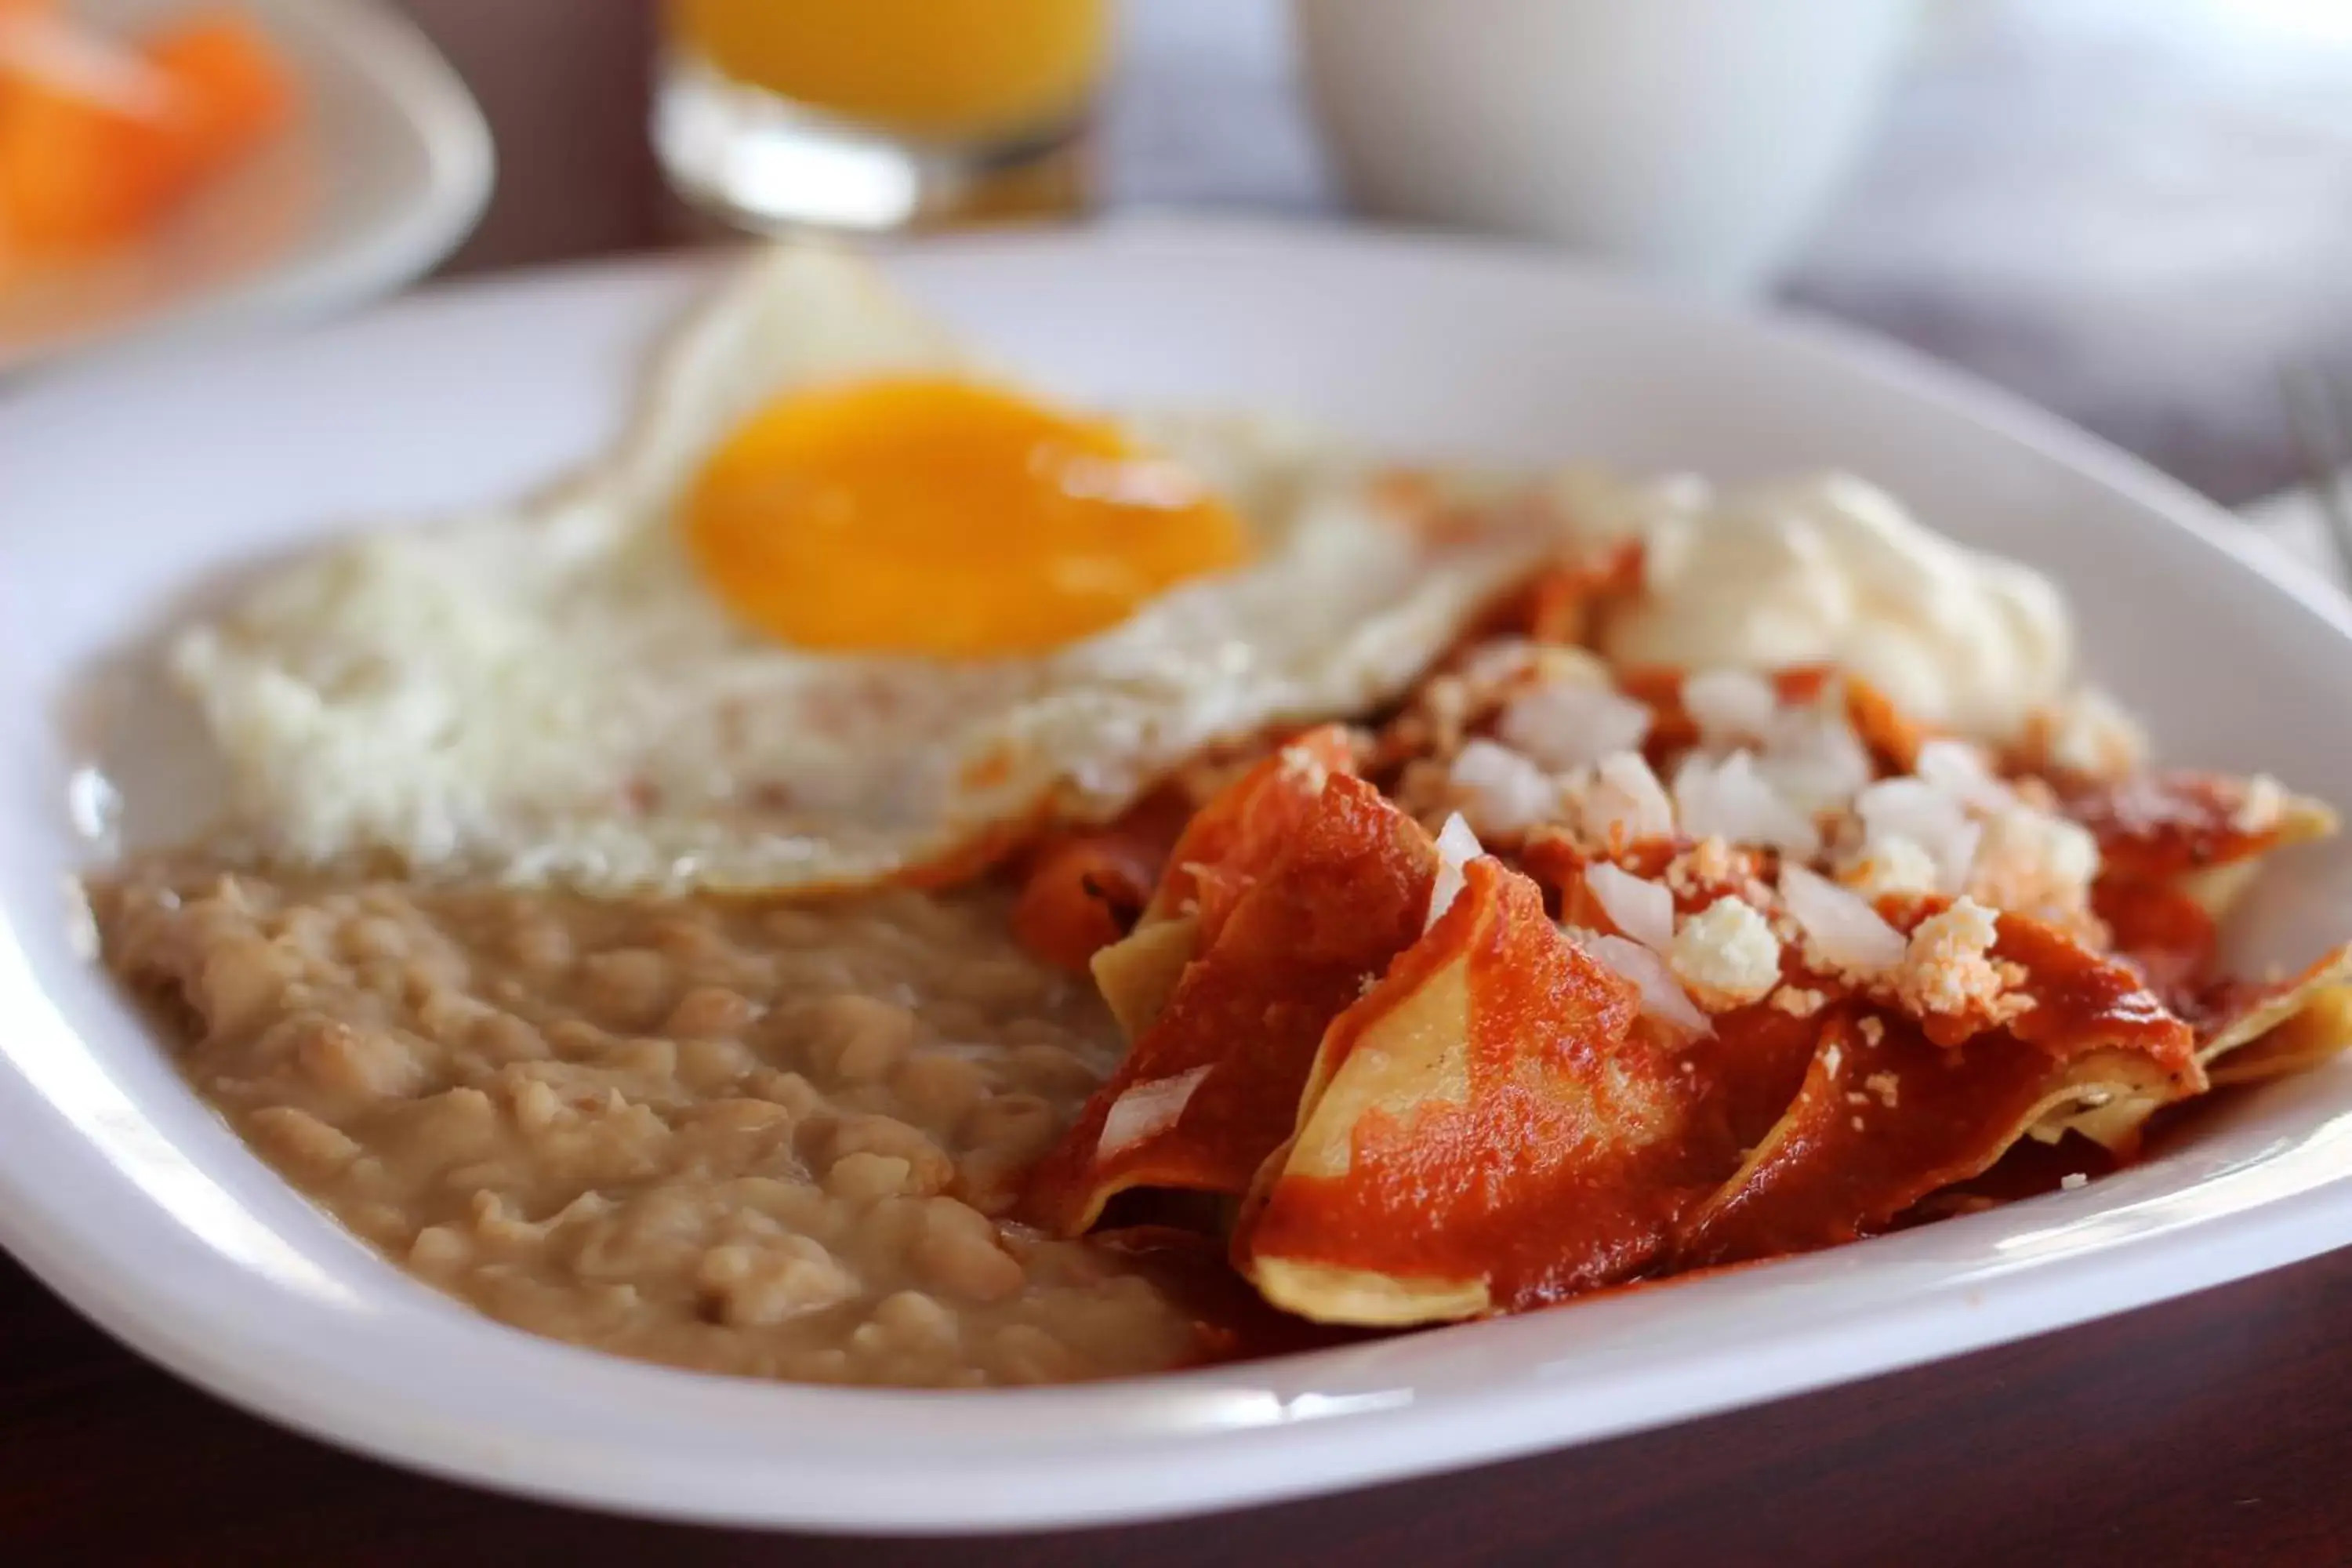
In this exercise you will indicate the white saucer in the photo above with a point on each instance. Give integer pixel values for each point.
(386, 171)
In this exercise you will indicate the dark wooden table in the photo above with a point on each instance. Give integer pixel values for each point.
(2125, 208)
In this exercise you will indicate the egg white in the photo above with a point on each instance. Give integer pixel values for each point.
(547, 692)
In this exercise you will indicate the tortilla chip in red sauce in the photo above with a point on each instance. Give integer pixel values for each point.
(1755, 1059)
(1753, 1065)
(1238, 834)
(2085, 1000)
(1340, 893)
(2161, 931)
(2319, 1029)
(2239, 1022)
(1082, 890)
(1512, 1131)
(1893, 738)
(2157, 826)
(1887, 1115)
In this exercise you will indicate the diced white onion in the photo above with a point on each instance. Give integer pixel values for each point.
(1958, 769)
(1625, 801)
(1813, 758)
(1911, 809)
(1729, 705)
(1501, 791)
(1953, 858)
(2068, 849)
(1638, 907)
(1571, 723)
(1926, 815)
(1848, 932)
(1663, 996)
(1146, 1110)
(1456, 847)
(1729, 799)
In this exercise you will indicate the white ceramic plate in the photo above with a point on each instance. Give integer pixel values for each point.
(386, 172)
(119, 494)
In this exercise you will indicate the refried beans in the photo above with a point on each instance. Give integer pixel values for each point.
(775, 1141)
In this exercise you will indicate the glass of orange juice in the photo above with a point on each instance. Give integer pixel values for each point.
(876, 114)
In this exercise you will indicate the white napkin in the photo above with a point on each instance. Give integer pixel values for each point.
(2290, 527)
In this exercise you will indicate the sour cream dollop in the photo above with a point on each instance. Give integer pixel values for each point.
(1828, 568)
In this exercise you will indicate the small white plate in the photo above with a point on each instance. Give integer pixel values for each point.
(120, 493)
(384, 173)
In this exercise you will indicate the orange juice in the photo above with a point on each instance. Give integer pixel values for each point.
(947, 69)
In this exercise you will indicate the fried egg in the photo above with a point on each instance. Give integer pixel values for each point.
(840, 608)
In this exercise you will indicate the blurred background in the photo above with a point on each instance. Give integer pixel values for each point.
(2136, 213)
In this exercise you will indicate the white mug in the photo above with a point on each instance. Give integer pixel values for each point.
(1691, 139)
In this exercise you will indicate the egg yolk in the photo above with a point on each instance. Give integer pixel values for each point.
(934, 516)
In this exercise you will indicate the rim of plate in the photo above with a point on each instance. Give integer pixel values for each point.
(461, 169)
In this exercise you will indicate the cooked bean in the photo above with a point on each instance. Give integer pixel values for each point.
(700, 1132)
(856, 1039)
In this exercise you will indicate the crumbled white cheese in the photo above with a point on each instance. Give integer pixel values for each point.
(1798, 1001)
(1890, 866)
(1725, 955)
(1947, 967)
(1706, 864)
(2034, 863)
